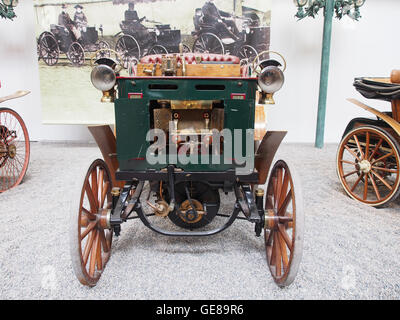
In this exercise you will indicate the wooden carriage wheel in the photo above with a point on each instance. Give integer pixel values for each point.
(368, 165)
(91, 236)
(14, 149)
(284, 224)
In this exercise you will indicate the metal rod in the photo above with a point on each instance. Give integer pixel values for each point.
(323, 86)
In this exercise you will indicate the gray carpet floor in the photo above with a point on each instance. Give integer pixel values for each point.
(350, 252)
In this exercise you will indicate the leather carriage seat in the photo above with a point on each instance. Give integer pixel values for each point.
(190, 58)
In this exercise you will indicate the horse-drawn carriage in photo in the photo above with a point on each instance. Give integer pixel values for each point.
(185, 139)
(368, 157)
(136, 40)
(61, 40)
(251, 40)
(14, 145)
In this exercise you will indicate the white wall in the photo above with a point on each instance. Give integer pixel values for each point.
(368, 47)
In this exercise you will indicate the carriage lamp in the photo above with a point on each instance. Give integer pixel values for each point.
(339, 8)
(7, 9)
(270, 80)
(103, 78)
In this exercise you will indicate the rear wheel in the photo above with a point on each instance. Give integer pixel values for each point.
(91, 236)
(14, 149)
(368, 165)
(208, 43)
(284, 224)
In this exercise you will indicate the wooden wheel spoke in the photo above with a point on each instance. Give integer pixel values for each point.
(378, 196)
(348, 162)
(104, 193)
(358, 146)
(278, 256)
(278, 187)
(386, 169)
(352, 152)
(88, 248)
(365, 186)
(285, 236)
(92, 201)
(286, 180)
(95, 187)
(356, 183)
(99, 261)
(285, 204)
(350, 173)
(285, 259)
(376, 149)
(88, 229)
(273, 251)
(382, 180)
(104, 241)
(367, 139)
(383, 157)
(90, 215)
(93, 256)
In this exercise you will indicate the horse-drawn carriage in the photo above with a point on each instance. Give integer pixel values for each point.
(14, 145)
(138, 40)
(61, 40)
(252, 37)
(368, 157)
(185, 137)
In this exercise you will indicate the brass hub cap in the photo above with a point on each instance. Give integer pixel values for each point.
(364, 166)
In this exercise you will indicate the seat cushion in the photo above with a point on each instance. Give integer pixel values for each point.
(190, 58)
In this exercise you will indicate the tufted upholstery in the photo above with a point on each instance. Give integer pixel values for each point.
(190, 58)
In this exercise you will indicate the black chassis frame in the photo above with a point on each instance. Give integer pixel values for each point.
(124, 204)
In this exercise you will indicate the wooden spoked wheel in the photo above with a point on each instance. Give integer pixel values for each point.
(368, 165)
(284, 224)
(14, 149)
(91, 236)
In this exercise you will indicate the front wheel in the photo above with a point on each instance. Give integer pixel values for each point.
(91, 236)
(284, 224)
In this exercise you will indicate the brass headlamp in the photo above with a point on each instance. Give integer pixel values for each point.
(104, 78)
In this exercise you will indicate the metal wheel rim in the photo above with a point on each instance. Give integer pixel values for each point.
(276, 236)
(374, 175)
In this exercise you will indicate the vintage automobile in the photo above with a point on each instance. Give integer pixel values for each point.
(60, 40)
(138, 40)
(368, 155)
(14, 145)
(253, 37)
(200, 107)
